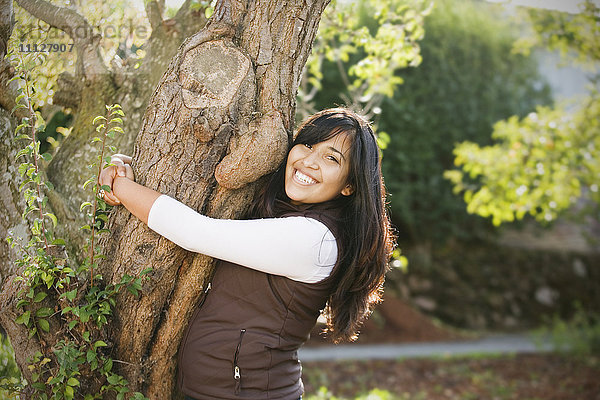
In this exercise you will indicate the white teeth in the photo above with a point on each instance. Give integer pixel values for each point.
(304, 178)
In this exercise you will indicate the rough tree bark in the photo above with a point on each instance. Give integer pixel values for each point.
(220, 118)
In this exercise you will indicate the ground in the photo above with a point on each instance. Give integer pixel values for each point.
(544, 376)
(522, 377)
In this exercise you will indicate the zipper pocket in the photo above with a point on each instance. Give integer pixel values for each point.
(236, 369)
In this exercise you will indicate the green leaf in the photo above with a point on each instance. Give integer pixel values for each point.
(108, 365)
(23, 168)
(44, 312)
(18, 128)
(73, 382)
(49, 185)
(39, 297)
(72, 324)
(71, 294)
(46, 156)
(89, 181)
(84, 316)
(22, 303)
(18, 106)
(96, 139)
(132, 290)
(23, 318)
(69, 393)
(53, 218)
(98, 118)
(90, 355)
(44, 325)
(113, 379)
(22, 152)
(84, 205)
(99, 343)
(102, 217)
(20, 97)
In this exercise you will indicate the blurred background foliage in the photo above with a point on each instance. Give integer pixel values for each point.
(469, 129)
(545, 163)
(468, 79)
(467, 126)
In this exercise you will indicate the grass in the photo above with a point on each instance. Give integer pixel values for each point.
(548, 376)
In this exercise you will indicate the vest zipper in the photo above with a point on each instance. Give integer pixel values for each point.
(236, 369)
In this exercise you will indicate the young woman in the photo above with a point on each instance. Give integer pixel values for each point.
(318, 239)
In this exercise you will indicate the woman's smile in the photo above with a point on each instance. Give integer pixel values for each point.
(303, 178)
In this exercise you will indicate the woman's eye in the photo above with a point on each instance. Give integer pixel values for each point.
(332, 158)
(308, 146)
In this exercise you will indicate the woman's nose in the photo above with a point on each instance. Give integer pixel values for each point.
(310, 161)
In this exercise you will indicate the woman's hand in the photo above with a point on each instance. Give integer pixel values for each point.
(121, 168)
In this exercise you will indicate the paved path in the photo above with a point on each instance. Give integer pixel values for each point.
(495, 344)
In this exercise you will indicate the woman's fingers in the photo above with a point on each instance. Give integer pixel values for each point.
(106, 178)
(121, 157)
(129, 172)
(119, 168)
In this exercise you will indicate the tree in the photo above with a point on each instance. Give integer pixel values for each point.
(542, 164)
(219, 114)
(225, 103)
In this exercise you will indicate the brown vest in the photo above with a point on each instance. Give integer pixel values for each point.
(243, 340)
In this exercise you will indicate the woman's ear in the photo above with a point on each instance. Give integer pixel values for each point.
(347, 190)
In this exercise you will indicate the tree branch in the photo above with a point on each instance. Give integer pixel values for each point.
(154, 14)
(89, 61)
(7, 21)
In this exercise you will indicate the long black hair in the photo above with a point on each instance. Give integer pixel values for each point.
(366, 240)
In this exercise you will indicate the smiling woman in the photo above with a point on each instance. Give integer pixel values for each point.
(318, 238)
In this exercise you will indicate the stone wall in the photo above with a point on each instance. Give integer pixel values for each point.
(494, 286)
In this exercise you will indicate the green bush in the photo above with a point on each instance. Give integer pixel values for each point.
(469, 79)
(580, 335)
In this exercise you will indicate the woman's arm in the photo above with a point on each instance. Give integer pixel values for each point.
(119, 177)
(299, 248)
(136, 198)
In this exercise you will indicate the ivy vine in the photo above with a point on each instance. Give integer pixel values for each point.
(71, 302)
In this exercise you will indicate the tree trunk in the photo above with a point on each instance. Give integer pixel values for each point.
(221, 117)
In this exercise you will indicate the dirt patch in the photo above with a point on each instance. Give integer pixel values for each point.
(527, 376)
(394, 321)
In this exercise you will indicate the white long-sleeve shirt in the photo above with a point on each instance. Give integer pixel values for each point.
(300, 248)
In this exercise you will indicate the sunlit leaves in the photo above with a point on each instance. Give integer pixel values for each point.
(539, 166)
(542, 164)
(383, 35)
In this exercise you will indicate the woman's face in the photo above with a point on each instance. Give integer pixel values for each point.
(318, 173)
